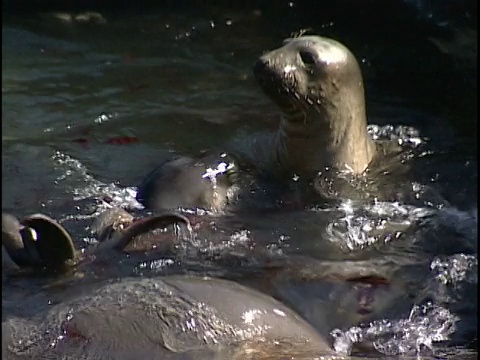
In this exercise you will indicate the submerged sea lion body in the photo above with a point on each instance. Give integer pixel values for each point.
(205, 182)
(178, 317)
(317, 84)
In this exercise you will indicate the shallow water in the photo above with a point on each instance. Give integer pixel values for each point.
(89, 108)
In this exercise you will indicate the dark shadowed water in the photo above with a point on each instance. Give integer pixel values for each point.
(89, 108)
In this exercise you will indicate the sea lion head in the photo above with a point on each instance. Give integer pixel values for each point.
(317, 84)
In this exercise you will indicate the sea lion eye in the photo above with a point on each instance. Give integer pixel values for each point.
(307, 57)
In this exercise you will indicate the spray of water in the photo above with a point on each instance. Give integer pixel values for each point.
(94, 189)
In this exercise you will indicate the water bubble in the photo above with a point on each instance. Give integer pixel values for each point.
(403, 135)
(104, 117)
(364, 225)
(156, 264)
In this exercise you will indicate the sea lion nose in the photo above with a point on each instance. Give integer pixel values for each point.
(261, 65)
(265, 68)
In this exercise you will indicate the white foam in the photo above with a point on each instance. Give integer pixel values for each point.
(415, 335)
(94, 189)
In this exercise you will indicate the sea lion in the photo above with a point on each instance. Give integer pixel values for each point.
(173, 317)
(317, 84)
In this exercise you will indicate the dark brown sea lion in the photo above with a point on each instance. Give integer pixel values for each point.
(317, 84)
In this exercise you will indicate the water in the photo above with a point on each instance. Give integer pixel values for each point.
(89, 108)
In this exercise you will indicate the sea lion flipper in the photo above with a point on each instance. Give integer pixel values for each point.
(18, 244)
(53, 243)
(145, 225)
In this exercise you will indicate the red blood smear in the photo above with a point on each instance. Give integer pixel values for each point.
(129, 58)
(364, 312)
(73, 333)
(373, 280)
(81, 141)
(122, 140)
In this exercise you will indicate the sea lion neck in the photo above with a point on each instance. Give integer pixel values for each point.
(333, 135)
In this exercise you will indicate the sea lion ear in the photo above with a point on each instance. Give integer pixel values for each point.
(46, 238)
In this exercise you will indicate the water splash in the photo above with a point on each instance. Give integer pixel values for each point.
(464, 224)
(360, 225)
(277, 248)
(107, 195)
(156, 265)
(425, 325)
(455, 269)
(364, 225)
(239, 238)
(403, 135)
(453, 278)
